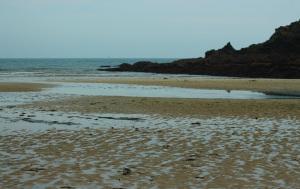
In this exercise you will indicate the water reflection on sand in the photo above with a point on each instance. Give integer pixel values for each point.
(104, 89)
(43, 149)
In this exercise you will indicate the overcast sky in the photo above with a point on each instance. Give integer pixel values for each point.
(136, 28)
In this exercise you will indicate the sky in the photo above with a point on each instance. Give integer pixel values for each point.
(136, 28)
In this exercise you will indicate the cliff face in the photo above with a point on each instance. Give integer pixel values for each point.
(278, 57)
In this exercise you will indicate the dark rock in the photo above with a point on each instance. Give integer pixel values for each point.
(34, 169)
(192, 157)
(200, 177)
(126, 171)
(28, 119)
(278, 57)
(22, 114)
(66, 187)
(121, 118)
(10, 107)
(196, 123)
(105, 66)
(227, 49)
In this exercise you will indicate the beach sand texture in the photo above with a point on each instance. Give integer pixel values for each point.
(159, 153)
(22, 87)
(178, 143)
(173, 107)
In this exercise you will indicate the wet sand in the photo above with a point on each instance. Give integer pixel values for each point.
(178, 143)
(281, 86)
(150, 153)
(173, 107)
(22, 87)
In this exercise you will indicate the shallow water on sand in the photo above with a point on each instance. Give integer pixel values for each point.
(102, 89)
(42, 149)
(39, 149)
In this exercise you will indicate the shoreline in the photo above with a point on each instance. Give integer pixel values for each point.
(173, 107)
(275, 86)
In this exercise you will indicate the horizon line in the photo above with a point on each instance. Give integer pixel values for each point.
(94, 57)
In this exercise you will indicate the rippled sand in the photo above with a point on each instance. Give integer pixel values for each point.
(109, 152)
(61, 141)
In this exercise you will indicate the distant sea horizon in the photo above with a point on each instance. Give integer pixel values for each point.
(48, 67)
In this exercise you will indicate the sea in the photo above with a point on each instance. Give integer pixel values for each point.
(63, 67)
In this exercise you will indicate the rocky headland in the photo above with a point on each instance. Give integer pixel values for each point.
(278, 57)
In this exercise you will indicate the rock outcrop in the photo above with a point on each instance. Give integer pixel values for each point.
(278, 57)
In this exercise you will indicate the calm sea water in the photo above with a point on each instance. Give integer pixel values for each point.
(62, 67)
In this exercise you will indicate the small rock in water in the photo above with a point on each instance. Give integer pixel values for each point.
(200, 177)
(27, 119)
(191, 158)
(10, 107)
(34, 169)
(196, 123)
(126, 171)
(66, 187)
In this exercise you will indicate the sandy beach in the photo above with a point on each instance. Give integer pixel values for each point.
(213, 154)
(23, 87)
(174, 107)
(75, 141)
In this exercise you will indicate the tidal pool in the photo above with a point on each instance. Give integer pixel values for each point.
(98, 89)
